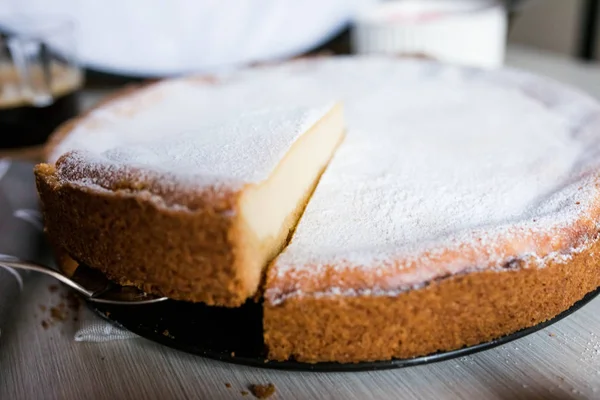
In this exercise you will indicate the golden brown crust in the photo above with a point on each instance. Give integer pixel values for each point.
(211, 256)
(206, 240)
(64, 261)
(182, 254)
(447, 314)
(403, 272)
(206, 245)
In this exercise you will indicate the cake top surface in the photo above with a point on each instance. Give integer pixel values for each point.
(443, 169)
(158, 134)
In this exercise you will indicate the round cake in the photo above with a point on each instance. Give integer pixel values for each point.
(460, 206)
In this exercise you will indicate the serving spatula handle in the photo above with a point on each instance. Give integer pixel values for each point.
(90, 283)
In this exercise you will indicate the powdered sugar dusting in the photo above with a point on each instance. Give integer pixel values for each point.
(420, 280)
(445, 171)
(242, 149)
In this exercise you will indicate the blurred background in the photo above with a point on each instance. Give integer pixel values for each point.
(568, 27)
(141, 38)
(59, 57)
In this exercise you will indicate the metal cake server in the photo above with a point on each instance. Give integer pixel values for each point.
(90, 283)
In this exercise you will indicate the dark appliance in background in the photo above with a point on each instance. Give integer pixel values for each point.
(589, 30)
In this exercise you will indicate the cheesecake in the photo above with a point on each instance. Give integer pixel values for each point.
(461, 205)
(184, 207)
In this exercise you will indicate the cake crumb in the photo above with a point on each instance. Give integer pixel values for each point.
(43, 307)
(262, 391)
(45, 324)
(53, 288)
(232, 354)
(166, 333)
(228, 385)
(551, 334)
(57, 314)
(244, 393)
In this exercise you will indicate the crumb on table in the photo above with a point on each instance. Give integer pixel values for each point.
(58, 314)
(262, 391)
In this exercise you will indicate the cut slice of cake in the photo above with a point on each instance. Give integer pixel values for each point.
(192, 214)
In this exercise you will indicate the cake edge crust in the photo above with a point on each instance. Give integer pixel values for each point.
(447, 314)
(69, 249)
(167, 255)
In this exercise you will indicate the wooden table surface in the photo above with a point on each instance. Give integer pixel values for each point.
(560, 362)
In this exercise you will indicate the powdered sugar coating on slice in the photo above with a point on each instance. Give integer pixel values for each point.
(182, 151)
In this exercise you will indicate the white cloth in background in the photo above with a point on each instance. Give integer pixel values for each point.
(92, 328)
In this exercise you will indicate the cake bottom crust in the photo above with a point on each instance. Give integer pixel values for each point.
(447, 314)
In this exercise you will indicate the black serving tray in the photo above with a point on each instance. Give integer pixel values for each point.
(235, 334)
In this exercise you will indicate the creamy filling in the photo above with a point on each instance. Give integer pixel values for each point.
(272, 208)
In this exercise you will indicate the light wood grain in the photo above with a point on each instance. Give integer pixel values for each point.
(561, 362)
